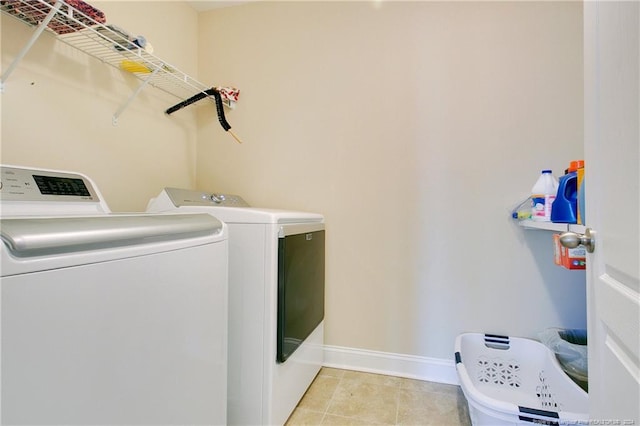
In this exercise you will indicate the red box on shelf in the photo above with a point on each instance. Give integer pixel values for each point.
(575, 258)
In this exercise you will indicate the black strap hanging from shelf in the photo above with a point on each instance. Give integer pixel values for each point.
(219, 108)
(187, 102)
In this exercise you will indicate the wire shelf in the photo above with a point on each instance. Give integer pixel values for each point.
(87, 31)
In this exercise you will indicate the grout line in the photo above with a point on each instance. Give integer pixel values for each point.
(326, 410)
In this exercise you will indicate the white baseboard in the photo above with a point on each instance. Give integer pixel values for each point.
(409, 366)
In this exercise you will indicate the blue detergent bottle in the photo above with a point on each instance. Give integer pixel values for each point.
(565, 207)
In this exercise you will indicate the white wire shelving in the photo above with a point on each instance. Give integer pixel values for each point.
(107, 43)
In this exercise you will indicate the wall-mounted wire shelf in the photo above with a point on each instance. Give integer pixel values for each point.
(107, 43)
(551, 226)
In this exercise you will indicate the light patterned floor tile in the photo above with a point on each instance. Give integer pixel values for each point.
(365, 401)
(302, 416)
(424, 386)
(342, 397)
(429, 408)
(330, 419)
(320, 393)
(378, 379)
(332, 372)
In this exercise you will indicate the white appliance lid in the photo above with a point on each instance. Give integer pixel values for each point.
(227, 208)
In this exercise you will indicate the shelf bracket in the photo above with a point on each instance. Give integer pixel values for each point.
(38, 31)
(132, 97)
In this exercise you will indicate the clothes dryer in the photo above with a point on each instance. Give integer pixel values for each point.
(116, 319)
(276, 301)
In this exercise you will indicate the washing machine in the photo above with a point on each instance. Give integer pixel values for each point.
(116, 319)
(276, 301)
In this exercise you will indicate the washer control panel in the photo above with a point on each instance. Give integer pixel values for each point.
(21, 184)
(185, 197)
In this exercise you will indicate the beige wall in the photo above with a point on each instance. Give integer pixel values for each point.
(57, 107)
(414, 128)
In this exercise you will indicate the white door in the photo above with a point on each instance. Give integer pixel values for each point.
(612, 140)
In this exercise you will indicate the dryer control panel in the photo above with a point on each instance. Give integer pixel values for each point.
(185, 197)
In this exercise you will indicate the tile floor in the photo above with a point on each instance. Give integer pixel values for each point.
(343, 397)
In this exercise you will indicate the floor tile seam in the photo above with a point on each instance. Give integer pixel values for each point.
(365, 382)
(359, 419)
(398, 383)
(333, 394)
(324, 416)
(342, 417)
(311, 410)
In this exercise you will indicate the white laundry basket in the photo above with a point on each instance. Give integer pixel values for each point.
(516, 381)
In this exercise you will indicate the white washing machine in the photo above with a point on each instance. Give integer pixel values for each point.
(276, 302)
(108, 318)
